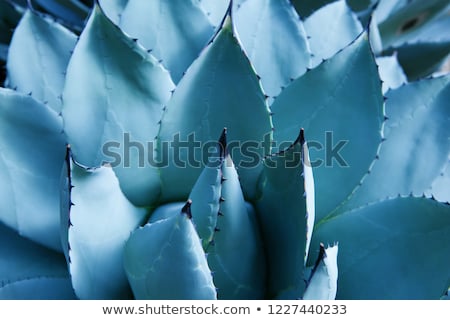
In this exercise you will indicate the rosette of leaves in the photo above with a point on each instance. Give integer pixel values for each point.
(148, 203)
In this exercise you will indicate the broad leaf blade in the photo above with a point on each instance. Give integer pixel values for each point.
(100, 221)
(113, 100)
(113, 9)
(42, 48)
(175, 30)
(322, 284)
(30, 271)
(275, 41)
(340, 121)
(165, 260)
(417, 143)
(32, 147)
(341, 25)
(215, 10)
(202, 106)
(384, 249)
(286, 213)
(391, 73)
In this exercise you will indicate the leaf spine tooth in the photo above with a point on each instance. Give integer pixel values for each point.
(187, 209)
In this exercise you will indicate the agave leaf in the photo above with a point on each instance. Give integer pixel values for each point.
(32, 147)
(335, 146)
(30, 271)
(342, 27)
(175, 30)
(421, 59)
(286, 212)
(439, 187)
(72, 12)
(384, 249)
(149, 259)
(322, 284)
(113, 100)
(42, 48)
(405, 20)
(215, 10)
(236, 255)
(275, 41)
(202, 106)
(391, 73)
(417, 145)
(113, 9)
(98, 225)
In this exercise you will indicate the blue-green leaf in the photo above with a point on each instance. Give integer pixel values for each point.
(384, 249)
(113, 100)
(32, 147)
(30, 271)
(275, 41)
(391, 73)
(215, 10)
(100, 222)
(202, 106)
(341, 25)
(174, 30)
(236, 255)
(286, 213)
(322, 284)
(440, 186)
(340, 121)
(417, 145)
(165, 260)
(42, 48)
(72, 12)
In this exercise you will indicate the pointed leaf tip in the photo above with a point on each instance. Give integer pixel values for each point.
(187, 209)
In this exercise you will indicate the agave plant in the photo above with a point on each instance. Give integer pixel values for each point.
(215, 150)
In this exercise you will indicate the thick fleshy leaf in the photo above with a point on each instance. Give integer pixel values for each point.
(440, 187)
(30, 271)
(202, 106)
(275, 41)
(174, 30)
(286, 213)
(421, 59)
(322, 284)
(341, 25)
(100, 222)
(165, 260)
(215, 10)
(236, 255)
(385, 249)
(113, 101)
(72, 12)
(32, 147)
(113, 9)
(391, 73)
(339, 120)
(417, 145)
(405, 21)
(42, 48)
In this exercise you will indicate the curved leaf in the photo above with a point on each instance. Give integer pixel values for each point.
(417, 143)
(236, 255)
(340, 120)
(113, 101)
(202, 106)
(40, 47)
(32, 147)
(72, 12)
(341, 25)
(100, 222)
(215, 10)
(29, 271)
(165, 260)
(440, 186)
(174, 30)
(275, 41)
(286, 213)
(322, 284)
(384, 249)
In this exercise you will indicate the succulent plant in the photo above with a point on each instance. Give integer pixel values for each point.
(214, 150)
